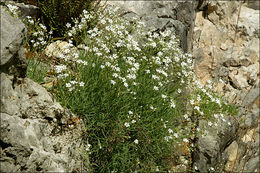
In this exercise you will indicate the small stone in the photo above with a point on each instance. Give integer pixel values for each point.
(232, 151)
(239, 81)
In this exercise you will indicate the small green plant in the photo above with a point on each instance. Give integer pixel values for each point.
(57, 13)
(37, 70)
(37, 37)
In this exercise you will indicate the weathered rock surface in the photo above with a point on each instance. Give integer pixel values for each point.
(12, 59)
(34, 135)
(226, 45)
(226, 50)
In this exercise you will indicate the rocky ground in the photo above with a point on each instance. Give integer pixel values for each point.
(224, 40)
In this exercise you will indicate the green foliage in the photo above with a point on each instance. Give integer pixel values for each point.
(36, 70)
(59, 12)
(139, 99)
(37, 37)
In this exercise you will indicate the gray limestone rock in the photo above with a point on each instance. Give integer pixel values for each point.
(32, 126)
(12, 54)
(252, 96)
(213, 142)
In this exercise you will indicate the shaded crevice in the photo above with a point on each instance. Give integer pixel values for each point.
(4, 145)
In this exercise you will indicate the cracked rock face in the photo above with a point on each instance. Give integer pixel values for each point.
(226, 50)
(34, 135)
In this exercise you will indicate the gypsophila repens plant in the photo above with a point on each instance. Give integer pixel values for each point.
(12, 9)
(136, 91)
(37, 37)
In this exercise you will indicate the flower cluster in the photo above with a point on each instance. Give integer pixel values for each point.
(13, 9)
(38, 36)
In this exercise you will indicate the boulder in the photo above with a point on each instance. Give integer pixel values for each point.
(213, 142)
(35, 135)
(12, 54)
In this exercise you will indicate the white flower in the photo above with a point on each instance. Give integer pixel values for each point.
(185, 140)
(73, 82)
(108, 64)
(81, 84)
(68, 85)
(212, 169)
(195, 167)
(229, 123)
(153, 44)
(88, 147)
(179, 91)
(186, 116)
(127, 124)
(113, 82)
(31, 21)
(136, 141)
(125, 84)
(115, 75)
(209, 81)
(155, 77)
(164, 96)
(167, 138)
(176, 135)
(147, 71)
(130, 112)
(102, 66)
(133, 121)
(155, 88)
(60, 68)
(103, 21)
(157, 169)
(210, 123)
(197, 108)
(172, 105)
(170, 130)
(198, 98)
(218, 101)
(192, 102)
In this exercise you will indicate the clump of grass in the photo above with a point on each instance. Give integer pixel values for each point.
(37, 70)
(131, 90)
